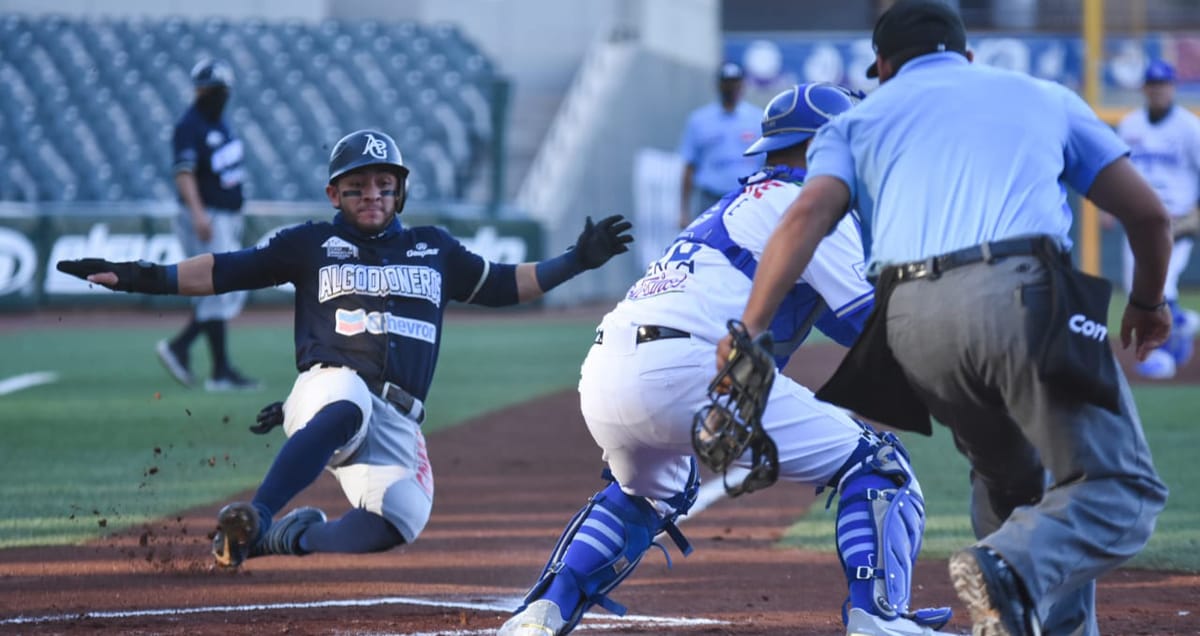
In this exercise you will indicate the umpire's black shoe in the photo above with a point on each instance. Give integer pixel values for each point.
(993, 594)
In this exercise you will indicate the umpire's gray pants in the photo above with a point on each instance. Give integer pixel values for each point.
(963, 341)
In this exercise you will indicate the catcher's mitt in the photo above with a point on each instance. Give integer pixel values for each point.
(731, 424)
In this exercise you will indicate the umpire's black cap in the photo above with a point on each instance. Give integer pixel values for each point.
(917, 27)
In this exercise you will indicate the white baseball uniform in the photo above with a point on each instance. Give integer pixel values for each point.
(1167, 154)
(639, 399)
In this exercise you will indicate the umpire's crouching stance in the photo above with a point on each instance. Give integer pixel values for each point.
(959, 172)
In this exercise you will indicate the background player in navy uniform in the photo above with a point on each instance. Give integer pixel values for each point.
(370, 296)
(208, 176)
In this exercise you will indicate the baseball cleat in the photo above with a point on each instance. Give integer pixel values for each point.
(237, 532)
(861, 623)
(1159, 365)
(541, 618)
(991, 592)
(283, 537)
(175, 363)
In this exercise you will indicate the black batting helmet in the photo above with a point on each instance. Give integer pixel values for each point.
(363, 148)
(212, 73)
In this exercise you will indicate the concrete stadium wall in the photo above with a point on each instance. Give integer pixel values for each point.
(647, 109)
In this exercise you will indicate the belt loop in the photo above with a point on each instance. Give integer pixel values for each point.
(931, 266)
(986, 248)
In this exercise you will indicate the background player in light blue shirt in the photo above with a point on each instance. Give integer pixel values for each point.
(712, 145)
(960, 173)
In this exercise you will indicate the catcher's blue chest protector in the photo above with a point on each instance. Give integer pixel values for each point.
(802, 308)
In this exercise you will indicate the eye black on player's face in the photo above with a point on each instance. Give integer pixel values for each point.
(368, 198)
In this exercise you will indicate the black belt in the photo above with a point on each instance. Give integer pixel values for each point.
(934, 266)
(649, 333)
(405, 402)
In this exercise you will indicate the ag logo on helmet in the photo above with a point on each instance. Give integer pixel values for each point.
(375, 147)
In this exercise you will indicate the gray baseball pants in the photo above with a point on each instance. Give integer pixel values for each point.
(1064, 491)
(227, 228)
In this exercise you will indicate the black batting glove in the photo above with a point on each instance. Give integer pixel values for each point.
(601, 241)
(268, 418)
(132, 276)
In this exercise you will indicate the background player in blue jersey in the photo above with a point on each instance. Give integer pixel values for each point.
(208, 176)
(646, 377)
(370, 297)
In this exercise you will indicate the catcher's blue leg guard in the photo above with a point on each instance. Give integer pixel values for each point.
(602, 545)
(880, 523)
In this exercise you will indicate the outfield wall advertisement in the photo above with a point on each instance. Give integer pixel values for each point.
(775, 61)
(31, 245)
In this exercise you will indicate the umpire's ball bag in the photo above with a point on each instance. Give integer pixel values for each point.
(1073, 353)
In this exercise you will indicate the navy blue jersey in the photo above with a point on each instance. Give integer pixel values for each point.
(209, 150)
(371, 303)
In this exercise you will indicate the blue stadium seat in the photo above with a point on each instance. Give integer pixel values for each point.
(101, 95)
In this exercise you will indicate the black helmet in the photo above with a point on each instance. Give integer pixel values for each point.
(363, 148)
(212, 73)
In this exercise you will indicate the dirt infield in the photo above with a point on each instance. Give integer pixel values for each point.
(506, 483)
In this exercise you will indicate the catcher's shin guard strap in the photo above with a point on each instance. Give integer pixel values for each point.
(880, 494)
(602, 545)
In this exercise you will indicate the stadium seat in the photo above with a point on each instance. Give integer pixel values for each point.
(102, 95)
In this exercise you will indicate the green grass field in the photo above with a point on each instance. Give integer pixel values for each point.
(116, 441)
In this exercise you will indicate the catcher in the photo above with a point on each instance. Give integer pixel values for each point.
(646, 378)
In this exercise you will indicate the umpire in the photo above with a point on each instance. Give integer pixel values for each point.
(208, 177)
(959, 172)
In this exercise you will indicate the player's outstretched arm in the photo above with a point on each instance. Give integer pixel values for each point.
(597, 243)
(192, 277)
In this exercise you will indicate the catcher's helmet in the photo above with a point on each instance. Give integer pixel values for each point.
(363, 148)
(212, 73)
(794, 115)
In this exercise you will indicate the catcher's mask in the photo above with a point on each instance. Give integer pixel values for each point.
(731, 424)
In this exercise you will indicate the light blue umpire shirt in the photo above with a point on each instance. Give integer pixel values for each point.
(949, 154)
(714, 140)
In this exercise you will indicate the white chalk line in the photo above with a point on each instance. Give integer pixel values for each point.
(371, 602)
(26, 381)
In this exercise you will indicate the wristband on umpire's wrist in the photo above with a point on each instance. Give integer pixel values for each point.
(1146, 306)
(553, 272)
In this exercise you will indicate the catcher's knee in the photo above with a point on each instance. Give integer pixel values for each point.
(880, 524)
(621, 527)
